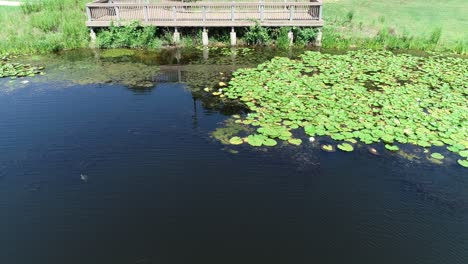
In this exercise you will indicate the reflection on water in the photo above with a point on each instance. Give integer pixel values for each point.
(101, 168)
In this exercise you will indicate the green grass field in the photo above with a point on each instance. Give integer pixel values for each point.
(48, 26)
(413, 24)
(413, 18)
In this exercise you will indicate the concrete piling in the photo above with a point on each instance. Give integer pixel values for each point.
(233, 37)
(92, 36)
(205, 39)
(291, 38)
(176, 37)
(318, 38)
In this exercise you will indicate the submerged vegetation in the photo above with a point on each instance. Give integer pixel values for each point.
(361, 95)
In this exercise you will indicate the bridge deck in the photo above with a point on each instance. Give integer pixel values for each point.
(205, 14)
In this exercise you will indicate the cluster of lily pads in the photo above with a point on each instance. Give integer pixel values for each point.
(15, 70)
(364, 96)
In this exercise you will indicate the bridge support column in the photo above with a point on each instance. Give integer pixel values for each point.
(92, 36)
(206, 53)
(176, 37)
(291, 38)
(205, 40)
(233, 37)
(318, 38)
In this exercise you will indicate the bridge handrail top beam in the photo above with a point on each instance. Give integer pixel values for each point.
(213, 4)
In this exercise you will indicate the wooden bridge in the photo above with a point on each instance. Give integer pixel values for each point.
(171, 13)
(167, 13)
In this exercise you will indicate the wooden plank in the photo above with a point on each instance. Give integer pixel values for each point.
(285, 23)
(211, 4)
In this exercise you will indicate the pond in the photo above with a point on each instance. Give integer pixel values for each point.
(118, 157)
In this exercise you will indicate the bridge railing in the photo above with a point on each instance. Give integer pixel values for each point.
(196, 14)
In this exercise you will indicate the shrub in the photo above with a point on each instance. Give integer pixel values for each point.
(257, 35)
(129, 36)
(304, 36)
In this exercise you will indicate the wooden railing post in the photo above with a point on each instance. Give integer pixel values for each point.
(88, 12)
(320, 10)
(145, 10)
(204, 13)
(117, 12)
(232, 11)
(262, 11)
(174, 14)
(291, 13)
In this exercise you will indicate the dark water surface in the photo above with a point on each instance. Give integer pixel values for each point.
(120, 168)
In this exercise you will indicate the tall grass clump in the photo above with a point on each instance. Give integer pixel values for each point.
(42, 26)
(282, 38)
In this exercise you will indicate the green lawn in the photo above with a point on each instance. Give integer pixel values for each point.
(418, 18)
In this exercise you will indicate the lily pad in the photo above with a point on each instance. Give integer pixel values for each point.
(392, 147)
(328, 148)
(255, 140)
(236, 141)
(295, 141)
(437, 156)
(463, 163)
(269, 142)
(345, 147)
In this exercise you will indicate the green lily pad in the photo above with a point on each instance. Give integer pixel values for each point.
(463, 153)
(392, 147)
(463, 163)
(437, 156)
(345, 147)
(269, 142)
(236, 141)
(328, 148)
(295, 141)
(255, 140)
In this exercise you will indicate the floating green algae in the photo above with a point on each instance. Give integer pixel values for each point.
(115, 53)
(362, 95)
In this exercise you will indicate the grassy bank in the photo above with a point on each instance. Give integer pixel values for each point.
(412, 24)
(50, 25)
(43, 26)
